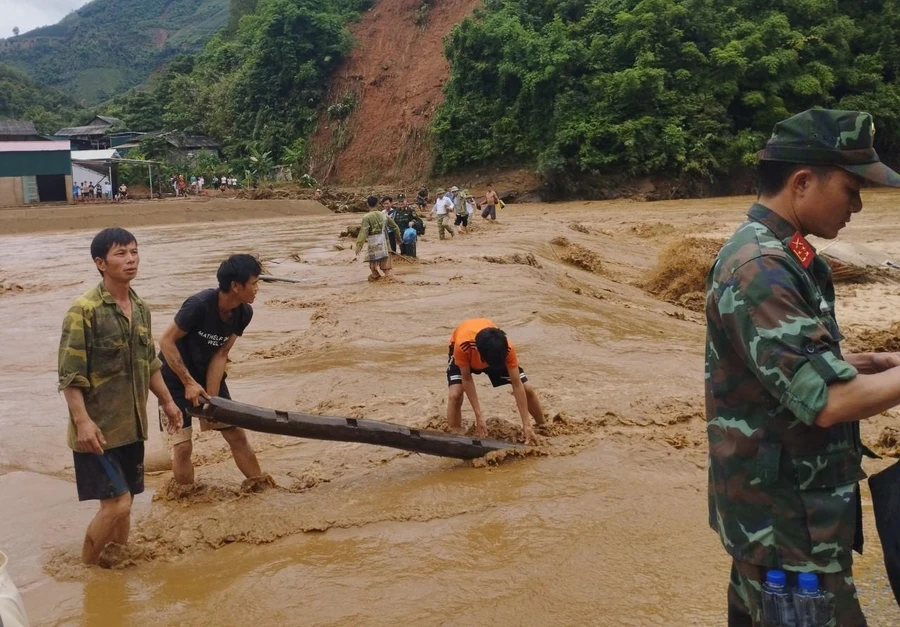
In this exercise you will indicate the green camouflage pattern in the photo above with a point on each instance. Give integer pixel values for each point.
(373, 223)
(782, 491)
(845, 139)
(745, 596)
(111, 360)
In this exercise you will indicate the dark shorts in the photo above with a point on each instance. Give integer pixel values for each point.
(745, 598)
(117, 471)
(462, 220)
(489, 212)
(421, 202)
(498, 376)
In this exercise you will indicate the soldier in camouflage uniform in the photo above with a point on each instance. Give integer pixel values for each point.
(782, 401)
(107, 364)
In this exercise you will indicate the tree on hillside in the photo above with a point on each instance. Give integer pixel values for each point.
(672, 87)
(15, 31)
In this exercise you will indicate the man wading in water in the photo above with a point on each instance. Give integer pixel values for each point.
(107, 364)
(195, 348)
(373, 233)
(479, 347)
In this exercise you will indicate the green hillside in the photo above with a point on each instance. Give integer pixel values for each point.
(109, 46)
(23, 99)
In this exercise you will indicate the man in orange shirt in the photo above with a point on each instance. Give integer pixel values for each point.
(477, 346)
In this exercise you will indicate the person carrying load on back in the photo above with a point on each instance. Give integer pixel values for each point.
(462, 212)
(783, 402)
(373, 233)
(477, 346)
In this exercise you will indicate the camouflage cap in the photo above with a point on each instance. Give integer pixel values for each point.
(829, 137)
(401, 196)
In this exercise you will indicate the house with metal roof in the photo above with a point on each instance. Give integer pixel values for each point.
(95, 135)
(18, 130)
(35, 172)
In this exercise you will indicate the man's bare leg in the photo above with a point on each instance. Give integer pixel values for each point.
(182, 466)
(534, 405)
(454, 407)
(107, 526)
(243, 453)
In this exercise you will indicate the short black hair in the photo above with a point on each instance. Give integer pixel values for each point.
(387, 198)
(493, 346)
(372, 201)
(107, 238)
(237, 268)
(774, 175)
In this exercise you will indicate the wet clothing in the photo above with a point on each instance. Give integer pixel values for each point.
(410, 236)
(117, 471)
(744, 600)
(206, 333)
(465, 353)
(490, 211)
(462, 221)
(373, 233)
(783, 493)
(111, 360)
(498, 376)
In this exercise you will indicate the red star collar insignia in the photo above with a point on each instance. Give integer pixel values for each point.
(802, 249)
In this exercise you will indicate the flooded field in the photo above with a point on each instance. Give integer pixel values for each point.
(606, 525)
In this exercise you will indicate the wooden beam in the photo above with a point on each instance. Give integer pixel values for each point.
(347, 430)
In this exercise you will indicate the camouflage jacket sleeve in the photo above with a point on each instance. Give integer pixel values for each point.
(790, 346)
(73, 347)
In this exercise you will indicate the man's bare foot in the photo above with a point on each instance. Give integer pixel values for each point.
(258, 484)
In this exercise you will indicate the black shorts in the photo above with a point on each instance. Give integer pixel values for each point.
(183, 403)
(117, 471)
(498, 376)
(462, 220)
(421, 202)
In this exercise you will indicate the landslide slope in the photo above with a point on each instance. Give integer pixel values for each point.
(109, 46)
(389, 87)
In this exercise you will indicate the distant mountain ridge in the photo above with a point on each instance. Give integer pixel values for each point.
(109, 46)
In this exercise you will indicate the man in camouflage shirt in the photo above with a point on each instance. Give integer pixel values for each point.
(782, 401)
(107, 364)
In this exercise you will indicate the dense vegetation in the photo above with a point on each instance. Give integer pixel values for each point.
(257, 85)
(23, 99)
(109, 46)
(678, 88)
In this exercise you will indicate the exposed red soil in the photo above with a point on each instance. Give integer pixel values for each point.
(396, 71)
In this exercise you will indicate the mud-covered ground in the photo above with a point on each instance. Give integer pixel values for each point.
(603, 524)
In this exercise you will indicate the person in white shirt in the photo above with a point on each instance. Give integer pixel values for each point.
(12, 610)
(443, 206)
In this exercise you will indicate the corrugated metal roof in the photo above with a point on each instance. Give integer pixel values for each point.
(90, 131)
(36, 146)
(109, 120)
(17, 127)
(92, 155)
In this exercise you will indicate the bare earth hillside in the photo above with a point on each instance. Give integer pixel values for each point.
(394, 74)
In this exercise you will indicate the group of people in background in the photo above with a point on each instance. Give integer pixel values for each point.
(195, 185)
(398, 224)
(88, 191)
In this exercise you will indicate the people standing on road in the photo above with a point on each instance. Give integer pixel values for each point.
(373, 233)
(107, 190)
(477, 346)
(90, 192)
(76, 191)
(194, 353)
(442, 208)
(491, 200)
(107, 365)
(783, 402)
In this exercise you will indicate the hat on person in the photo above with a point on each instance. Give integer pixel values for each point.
(465, 194)
(440, 191)
(401, 196)
(844, 139)
(454, 189)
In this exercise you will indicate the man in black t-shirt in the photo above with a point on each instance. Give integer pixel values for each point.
(194, 353)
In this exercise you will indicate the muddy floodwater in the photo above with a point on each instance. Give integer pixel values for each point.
(605, 525)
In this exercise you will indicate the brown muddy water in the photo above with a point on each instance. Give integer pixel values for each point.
(605, 526)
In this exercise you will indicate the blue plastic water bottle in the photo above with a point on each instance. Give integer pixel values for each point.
(778, 608)
(810, 603)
